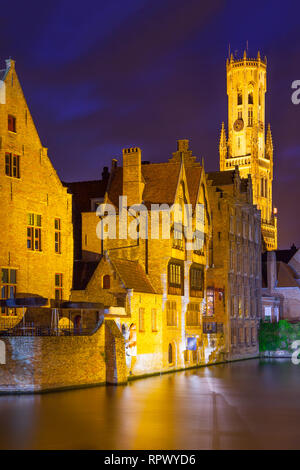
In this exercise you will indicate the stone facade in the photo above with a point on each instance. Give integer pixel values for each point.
(235, 275)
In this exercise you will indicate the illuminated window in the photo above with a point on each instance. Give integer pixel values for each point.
(141, 319)
(34, 232)
(193, 315)
(154, 319)
(198, 241)
(8, 289)
(210, 301)
(12, 165)
(57, 235)
(58, 286)
(106, 281)
(171, 308)
(11, 123)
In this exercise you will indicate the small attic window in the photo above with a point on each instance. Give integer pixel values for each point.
(106, 281)
(11, 123)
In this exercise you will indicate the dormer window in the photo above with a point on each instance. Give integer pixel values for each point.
(11, 123)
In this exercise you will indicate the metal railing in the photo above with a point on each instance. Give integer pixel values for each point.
(37, 330)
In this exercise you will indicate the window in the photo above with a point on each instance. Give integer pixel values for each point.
(8, 289)
(210, 301)
(58, 286)
(175, 278)
(12, 165)
(141, 319)
(196, 281)
(250, 97)
(209, 327)
(241, 335)
(239, 98)
(253, 335)
(154, 319)
(34, 224)
(11, 123)
(106, 281)
(171, 313)
(57, 235)
(193, 315)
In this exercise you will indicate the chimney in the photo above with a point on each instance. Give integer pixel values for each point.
(271, 270)
(132, 175)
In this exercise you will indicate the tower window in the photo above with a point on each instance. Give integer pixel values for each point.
(239, 98)
(250, 97)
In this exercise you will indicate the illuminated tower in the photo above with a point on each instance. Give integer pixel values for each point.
(249, 144)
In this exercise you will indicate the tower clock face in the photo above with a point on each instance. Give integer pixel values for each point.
(238, 125)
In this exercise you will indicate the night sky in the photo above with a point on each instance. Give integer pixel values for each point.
(102, 75)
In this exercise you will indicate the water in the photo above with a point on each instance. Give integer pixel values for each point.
(251, 404)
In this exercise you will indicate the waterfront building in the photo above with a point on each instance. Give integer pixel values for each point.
(234, 278)
(36, 246)
(249, 144)
(154, 288)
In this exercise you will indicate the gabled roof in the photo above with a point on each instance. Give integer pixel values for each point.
(193, 176)
(132, 275)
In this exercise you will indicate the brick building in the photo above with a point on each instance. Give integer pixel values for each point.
(36, 248)
(234, 280)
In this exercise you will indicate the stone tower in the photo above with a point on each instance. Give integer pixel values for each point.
(249, 145)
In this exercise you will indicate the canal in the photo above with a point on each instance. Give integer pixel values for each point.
(252, 404)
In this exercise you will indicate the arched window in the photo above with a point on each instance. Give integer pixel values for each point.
(106, 281)
(250, 97)
(170, 354)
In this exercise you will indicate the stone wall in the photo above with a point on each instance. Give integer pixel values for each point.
(36, 364)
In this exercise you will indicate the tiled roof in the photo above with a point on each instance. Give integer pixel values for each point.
(82, 273)
(193, 176)
(160, 183)
(132, 275)
(221, 178)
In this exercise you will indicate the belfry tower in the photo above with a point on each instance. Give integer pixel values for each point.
(249, 144)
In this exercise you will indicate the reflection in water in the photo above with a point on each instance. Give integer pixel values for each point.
(247, 405)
